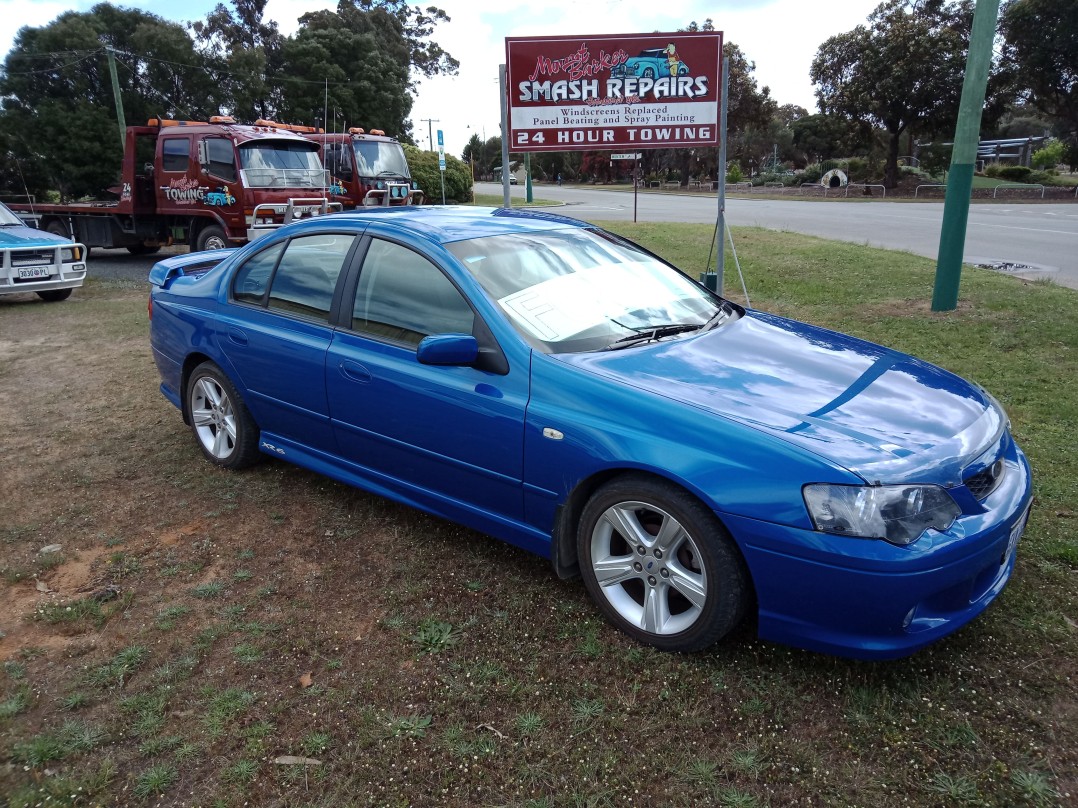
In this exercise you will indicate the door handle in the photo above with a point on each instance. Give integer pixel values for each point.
(237, 336)
(354, 371)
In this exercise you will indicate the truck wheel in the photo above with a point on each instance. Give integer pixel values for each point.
(54, 295)
(141, 249)
(58, 229)
(211, 238)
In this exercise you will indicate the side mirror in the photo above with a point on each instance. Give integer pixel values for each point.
(448, 349)
(203, 152)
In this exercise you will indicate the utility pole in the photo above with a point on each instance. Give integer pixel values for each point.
(116, 95)
(964, 157)
(430, 130)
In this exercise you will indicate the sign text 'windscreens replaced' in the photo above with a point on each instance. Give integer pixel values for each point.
(626, 91)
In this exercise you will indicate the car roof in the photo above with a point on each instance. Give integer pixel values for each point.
(446, 224)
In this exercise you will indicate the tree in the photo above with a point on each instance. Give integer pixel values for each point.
(58, 119)
(1041, 47)
(245, 50)
(904, 69)
(359, 61)
(822, 137)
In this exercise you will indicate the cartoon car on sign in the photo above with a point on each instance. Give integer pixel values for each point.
(222, 196)
(653, 63)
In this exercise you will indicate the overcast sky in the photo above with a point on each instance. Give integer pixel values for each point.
(781, 36)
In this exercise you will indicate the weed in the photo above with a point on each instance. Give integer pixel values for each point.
(734, 798)
(334, 664)
(587, 710)
(1034, 786)
(208, 590)
(185, 752)
(158, 746)
(247, 654)
(72, 737)
(955, 790)
(702, 772)
(409, 726)
(75, 701)
(15, 704)
(245, 555)
(240, 773)
(475, 586)
(167, 617)
(315, 743)
(242, 575)
(435, 635)
(115, 671)
(529, 723)
(395, 622)
(155, 780)
(266, 591)
(122, 565)
(14, 670)
(748, 761)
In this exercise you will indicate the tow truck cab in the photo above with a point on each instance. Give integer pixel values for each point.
(367, 168)
(208, 184)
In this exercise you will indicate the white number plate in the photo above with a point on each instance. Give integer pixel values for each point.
(34, 272)
(1016, 534)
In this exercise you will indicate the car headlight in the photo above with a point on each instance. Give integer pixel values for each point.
(899, 514)
(69, 254)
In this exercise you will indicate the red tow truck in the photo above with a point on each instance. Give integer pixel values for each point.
(367, 168)
(208, 184)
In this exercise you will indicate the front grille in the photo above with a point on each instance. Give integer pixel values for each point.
(985, 482)
(31, 258)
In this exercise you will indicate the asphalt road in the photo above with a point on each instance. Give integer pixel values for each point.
(1043, 236)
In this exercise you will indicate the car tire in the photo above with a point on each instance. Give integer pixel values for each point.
(142, 249)
(223, 427)
(677, 581)
(54, 295)
(649, 73)
(211, 237)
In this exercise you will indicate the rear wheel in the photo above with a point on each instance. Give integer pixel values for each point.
(211, 237)
(223, 427)
(54, 295)
(58, 229)
(660, 566)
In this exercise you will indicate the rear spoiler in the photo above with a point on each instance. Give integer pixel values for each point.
(164, 272)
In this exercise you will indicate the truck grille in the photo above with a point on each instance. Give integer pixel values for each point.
(32, 258)
(985, 482)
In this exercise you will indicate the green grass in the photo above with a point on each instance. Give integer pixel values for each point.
(452, 669)
(496, 201)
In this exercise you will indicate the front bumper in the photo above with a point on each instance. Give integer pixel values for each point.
(50, 271)
(871, 600)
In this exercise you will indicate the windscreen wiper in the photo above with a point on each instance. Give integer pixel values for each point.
(652, 333)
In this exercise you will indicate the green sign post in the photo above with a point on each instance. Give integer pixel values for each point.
(963, 157)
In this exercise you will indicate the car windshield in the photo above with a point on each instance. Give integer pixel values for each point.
(281, 164)
(583, 290)
(380, 158)
(7, 218)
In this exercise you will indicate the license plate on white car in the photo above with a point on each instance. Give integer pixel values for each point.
(34, 272)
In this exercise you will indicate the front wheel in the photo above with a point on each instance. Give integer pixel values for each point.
(223, 427)
(54, 295)
(660, 566)
(211, 237)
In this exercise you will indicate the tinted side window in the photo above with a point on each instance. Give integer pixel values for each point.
(222, 158)
(404, 297)
(307, 274)
(338, 159)
(174, 154)
(253, 279)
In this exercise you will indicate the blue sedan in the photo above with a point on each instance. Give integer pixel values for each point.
(559, 387)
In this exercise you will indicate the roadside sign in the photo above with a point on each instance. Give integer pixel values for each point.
(613, 91)
(630, 156)
(441, 152)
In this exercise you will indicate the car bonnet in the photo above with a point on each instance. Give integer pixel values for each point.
(877, 412)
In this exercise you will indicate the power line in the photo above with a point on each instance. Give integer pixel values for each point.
(55, 68)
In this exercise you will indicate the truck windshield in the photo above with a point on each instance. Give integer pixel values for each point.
(281, 164)
(380, 158)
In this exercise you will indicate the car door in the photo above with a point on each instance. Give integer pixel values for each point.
(275, 331)
(456, 432)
